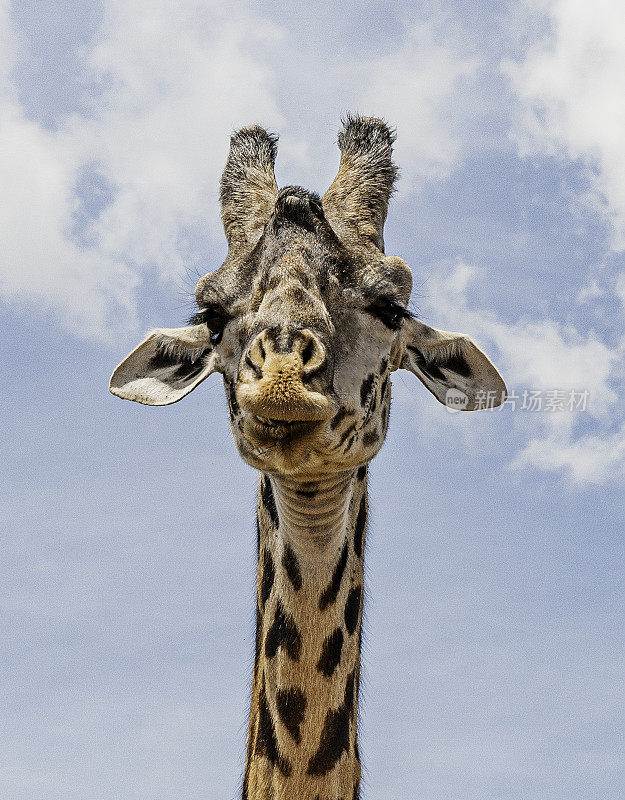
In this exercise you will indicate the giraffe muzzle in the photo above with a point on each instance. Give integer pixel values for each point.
(275, 386)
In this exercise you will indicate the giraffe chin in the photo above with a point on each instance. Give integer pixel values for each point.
(277, 445)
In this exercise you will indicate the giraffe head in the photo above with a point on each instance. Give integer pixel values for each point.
(307, 317)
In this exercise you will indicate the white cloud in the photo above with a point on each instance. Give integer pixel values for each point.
(419, 87)
(589, 293)
(571, 84)
(40, 263)
(177, 83)
(545, 355)
(587, 459)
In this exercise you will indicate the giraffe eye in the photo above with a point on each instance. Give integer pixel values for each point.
(390, 312)
(215, 320)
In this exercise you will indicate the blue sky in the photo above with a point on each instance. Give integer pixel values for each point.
(494, 648)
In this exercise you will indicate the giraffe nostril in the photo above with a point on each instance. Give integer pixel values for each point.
(312, 352)
(307, 352)
(254, 367)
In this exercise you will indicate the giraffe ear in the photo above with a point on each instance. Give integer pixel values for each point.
(452, 367)
(167, 365)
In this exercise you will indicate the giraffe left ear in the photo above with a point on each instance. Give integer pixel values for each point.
(167, 365)
(452, 367)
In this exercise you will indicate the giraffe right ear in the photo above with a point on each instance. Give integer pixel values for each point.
(167, 365)
(451, 366)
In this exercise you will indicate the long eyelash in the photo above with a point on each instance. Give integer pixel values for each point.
(198, 319)
(406, 313)
(384, 308)
(205, 315)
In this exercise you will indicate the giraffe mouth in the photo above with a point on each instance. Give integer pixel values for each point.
(281, 428)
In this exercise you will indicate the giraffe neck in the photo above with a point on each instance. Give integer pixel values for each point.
(302, 740)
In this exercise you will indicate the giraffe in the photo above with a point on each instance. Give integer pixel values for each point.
(305, 320)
